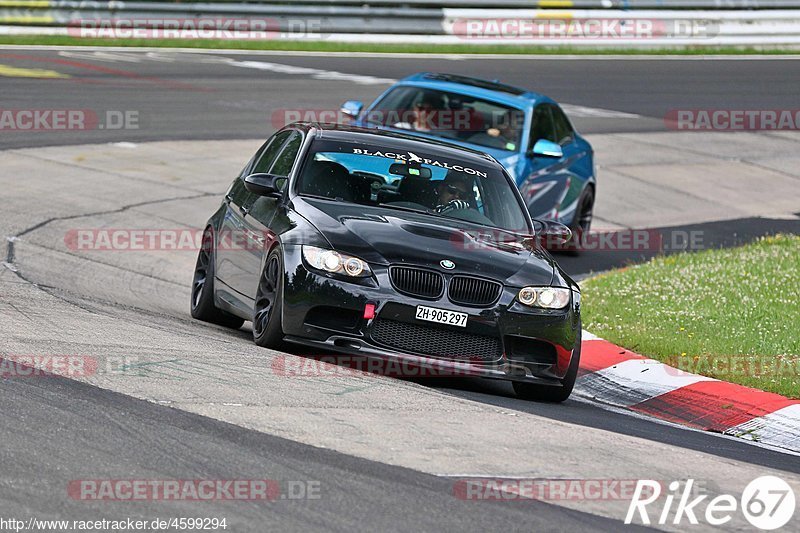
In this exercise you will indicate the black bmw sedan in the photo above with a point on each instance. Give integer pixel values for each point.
(378, 244)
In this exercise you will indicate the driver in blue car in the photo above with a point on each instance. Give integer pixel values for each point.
(504, 133)
(425, 114)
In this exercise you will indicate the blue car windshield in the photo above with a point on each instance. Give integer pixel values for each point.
(451, 116)
(395, 178)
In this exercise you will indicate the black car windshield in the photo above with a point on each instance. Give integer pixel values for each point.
(396, 178)
(450, 115)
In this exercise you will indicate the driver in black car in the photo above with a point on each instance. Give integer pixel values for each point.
(454, 192)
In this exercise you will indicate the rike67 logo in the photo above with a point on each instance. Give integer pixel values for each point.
(768, 503)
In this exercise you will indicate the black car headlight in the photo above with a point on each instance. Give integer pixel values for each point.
(335, 262)
(544, 297)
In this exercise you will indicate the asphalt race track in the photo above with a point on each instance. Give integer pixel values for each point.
(176, 399)
(203, 96)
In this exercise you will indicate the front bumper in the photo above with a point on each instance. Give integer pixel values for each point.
(327, 313)
(405, 365)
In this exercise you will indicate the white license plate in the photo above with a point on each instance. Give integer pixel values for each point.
(441, 316)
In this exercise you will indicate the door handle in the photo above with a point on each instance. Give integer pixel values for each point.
(244, 210)
(228, 198)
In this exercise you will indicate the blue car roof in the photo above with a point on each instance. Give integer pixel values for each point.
(488, 90)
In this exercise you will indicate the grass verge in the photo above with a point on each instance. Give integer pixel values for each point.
(731, 314)
(323, 46)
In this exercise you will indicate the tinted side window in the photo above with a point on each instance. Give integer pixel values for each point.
(285, 160)
(542, 127)
(563, 127)
(238, 194)
(267, 157)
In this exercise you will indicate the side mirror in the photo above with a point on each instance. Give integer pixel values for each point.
(264, 184)
(546, 148)
(553, 232)
(352, 108)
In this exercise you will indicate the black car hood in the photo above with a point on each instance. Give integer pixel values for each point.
(389, 236)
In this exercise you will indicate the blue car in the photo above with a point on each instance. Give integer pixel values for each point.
(528, 133)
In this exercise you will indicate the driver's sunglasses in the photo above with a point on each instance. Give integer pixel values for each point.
(452, 189)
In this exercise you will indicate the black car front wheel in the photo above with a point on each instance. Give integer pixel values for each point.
(267, 326)
(549, 393)
(202, 304)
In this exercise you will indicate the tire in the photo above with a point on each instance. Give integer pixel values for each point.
(582, 222)
(549, 393)
(268, 309)
(202, 297)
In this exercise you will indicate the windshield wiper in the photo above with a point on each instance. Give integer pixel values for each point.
(387, 206)
(436, 214)
(321, 197)
(401, 208)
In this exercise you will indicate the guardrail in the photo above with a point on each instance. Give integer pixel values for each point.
(420, 21)
(483, 4)
(327, 19)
